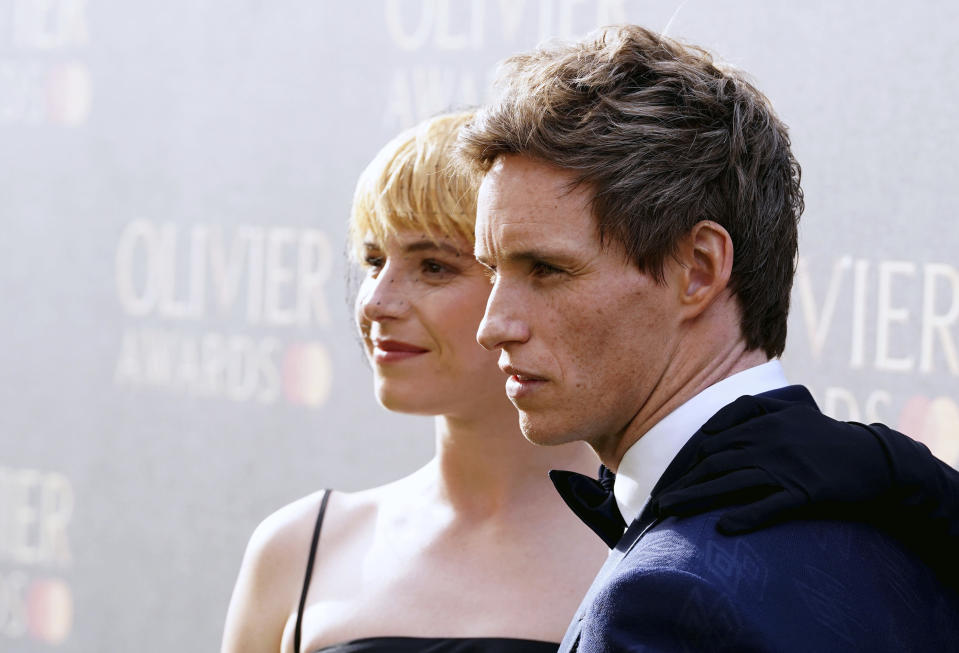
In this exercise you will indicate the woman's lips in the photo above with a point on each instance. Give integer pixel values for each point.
(394, 351)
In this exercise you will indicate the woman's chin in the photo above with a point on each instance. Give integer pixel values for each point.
(416, 403)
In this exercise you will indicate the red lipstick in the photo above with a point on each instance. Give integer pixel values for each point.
(394, 351)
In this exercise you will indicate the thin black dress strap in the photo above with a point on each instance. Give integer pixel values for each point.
(309, 570)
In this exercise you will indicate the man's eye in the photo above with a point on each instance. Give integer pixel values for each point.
(541, 269)
(374, 262)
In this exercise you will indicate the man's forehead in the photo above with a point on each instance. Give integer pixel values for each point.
(502, 237)
(522, 199)
(516, 182)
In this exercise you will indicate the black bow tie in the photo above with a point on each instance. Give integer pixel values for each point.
(592, 500)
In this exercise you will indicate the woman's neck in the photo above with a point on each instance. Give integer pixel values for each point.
(485, 466)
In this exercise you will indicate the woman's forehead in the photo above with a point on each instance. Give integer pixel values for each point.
(414, 239)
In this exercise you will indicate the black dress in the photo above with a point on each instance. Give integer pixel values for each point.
(409, 644)
(441, 645)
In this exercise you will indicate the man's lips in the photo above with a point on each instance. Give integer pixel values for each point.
(391, 351)
(521, 383)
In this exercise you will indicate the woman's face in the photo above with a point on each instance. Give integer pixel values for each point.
(418, 309)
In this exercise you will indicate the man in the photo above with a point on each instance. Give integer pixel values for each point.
(638, 213)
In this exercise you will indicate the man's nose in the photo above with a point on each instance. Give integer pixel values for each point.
(503, 323)
(384, 296)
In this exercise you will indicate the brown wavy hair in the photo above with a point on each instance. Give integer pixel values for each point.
(665, 137)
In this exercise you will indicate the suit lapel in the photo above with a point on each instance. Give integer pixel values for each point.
(686, 458)
(683, 462)
(632, 535)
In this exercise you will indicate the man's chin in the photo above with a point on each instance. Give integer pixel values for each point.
(539, 431)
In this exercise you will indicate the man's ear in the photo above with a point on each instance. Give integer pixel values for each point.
(705, 257)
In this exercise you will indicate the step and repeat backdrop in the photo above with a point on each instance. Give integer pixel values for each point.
(178, 353)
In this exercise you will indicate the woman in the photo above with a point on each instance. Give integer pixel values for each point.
(475, 551)
(474, 546)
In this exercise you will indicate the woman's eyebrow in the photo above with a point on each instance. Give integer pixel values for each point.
(427, 245)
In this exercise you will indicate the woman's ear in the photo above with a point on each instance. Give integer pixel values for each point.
(705, 257)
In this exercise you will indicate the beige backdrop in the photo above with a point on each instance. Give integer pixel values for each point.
(174, 180)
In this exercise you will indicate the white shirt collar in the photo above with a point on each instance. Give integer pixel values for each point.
(645, 461)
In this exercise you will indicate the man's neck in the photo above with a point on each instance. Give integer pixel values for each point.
(644, 463)
(686, 379)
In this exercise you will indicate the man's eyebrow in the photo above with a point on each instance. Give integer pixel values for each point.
(529, 255)
(534, 254)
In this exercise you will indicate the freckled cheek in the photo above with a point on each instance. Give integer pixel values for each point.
(585, 347)
(456, 325)
(361, 322)
(468, 316)
(566, 337)
(472, 305)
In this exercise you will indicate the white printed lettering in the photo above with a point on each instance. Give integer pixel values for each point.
(887, 314)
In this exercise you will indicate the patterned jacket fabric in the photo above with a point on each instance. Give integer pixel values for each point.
(679, 585)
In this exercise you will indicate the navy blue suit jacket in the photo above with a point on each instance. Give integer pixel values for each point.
(678, 585)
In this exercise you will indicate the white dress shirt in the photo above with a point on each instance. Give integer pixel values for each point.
(645, 461)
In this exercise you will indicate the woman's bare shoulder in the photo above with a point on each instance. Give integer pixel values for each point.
(284, 537)
(351, 517)
(278, 547)
(271, 574)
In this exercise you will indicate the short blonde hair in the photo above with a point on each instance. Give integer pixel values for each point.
(412, 184)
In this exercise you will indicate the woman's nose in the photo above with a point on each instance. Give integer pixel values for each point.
(383, 297)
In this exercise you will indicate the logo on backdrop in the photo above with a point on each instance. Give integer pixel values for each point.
(174, 281)
(43, 78)
(893, 326)
(419, 91)
(36, 602)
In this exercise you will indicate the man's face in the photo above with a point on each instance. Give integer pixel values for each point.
(584, 335)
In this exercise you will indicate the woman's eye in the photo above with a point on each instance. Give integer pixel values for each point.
(433, 267)
(374, 262)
